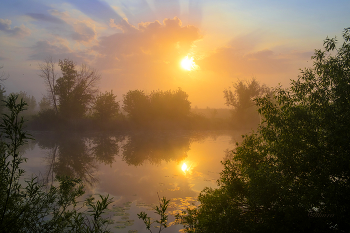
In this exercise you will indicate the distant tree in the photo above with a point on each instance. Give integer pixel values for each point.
(159, 106)
(169, 105)
(105, 107)
(48, 73)
(3, 77)
(2, 98)
(293, 174)
(241, 99)
(137, 105)
(212, 112)
(75, 89)
(44, 104)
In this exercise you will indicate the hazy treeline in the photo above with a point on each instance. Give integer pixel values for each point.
(73, 101)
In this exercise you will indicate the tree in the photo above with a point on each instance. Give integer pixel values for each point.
(75, 89)
(2, 98)
(159, 106)
(106, 107)
(3, 77)
(241, 99)
(44, 104)
(293, 174)
(137, 105)
(48, 73)
(169, 105)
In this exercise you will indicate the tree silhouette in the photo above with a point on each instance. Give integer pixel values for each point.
(137, 105)
(49, 75)
(241, 99)
(106, 107)
(160, 108)
(75, 89)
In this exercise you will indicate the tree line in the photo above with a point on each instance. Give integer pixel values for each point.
(73, 100)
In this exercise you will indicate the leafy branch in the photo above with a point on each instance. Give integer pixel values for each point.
(161, 211)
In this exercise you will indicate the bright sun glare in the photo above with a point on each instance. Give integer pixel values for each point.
(184, 167)
(188, 63)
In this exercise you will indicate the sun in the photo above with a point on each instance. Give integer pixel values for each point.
(184, 167)
(188, 63)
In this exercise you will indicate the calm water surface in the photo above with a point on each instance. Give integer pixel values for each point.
(134, 167)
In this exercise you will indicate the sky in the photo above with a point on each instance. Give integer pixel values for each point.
(139, 44)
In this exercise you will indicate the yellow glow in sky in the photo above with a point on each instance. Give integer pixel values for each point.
(188, 63)
(184, 167)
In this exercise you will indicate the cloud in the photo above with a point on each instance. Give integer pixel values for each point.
(228, 60)
(136, 11)
(5, 24)
(83, 32)
(96, 9)
(247, 42)
(78, 30)
(124, 26)
(45, 18)
(57, 50)
(246, 56)
(146, 56)
(151, 44)
(19, 32)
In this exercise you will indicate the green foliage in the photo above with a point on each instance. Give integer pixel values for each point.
(160, 210)
(97, 209)
(241, 99)
(293, 174)
(106, 107)
(31, 103)
(169, 105)
(47, 120)
(136, 104)
(36, 207)
(75, 89)
(159, 107)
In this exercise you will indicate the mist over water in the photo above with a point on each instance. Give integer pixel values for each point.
(134, 167)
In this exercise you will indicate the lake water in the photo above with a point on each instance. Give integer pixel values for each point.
(134, 167)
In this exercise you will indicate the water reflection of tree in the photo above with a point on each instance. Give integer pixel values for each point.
(155, 147)
(105, 147)
(77, 155)
(75, 159)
